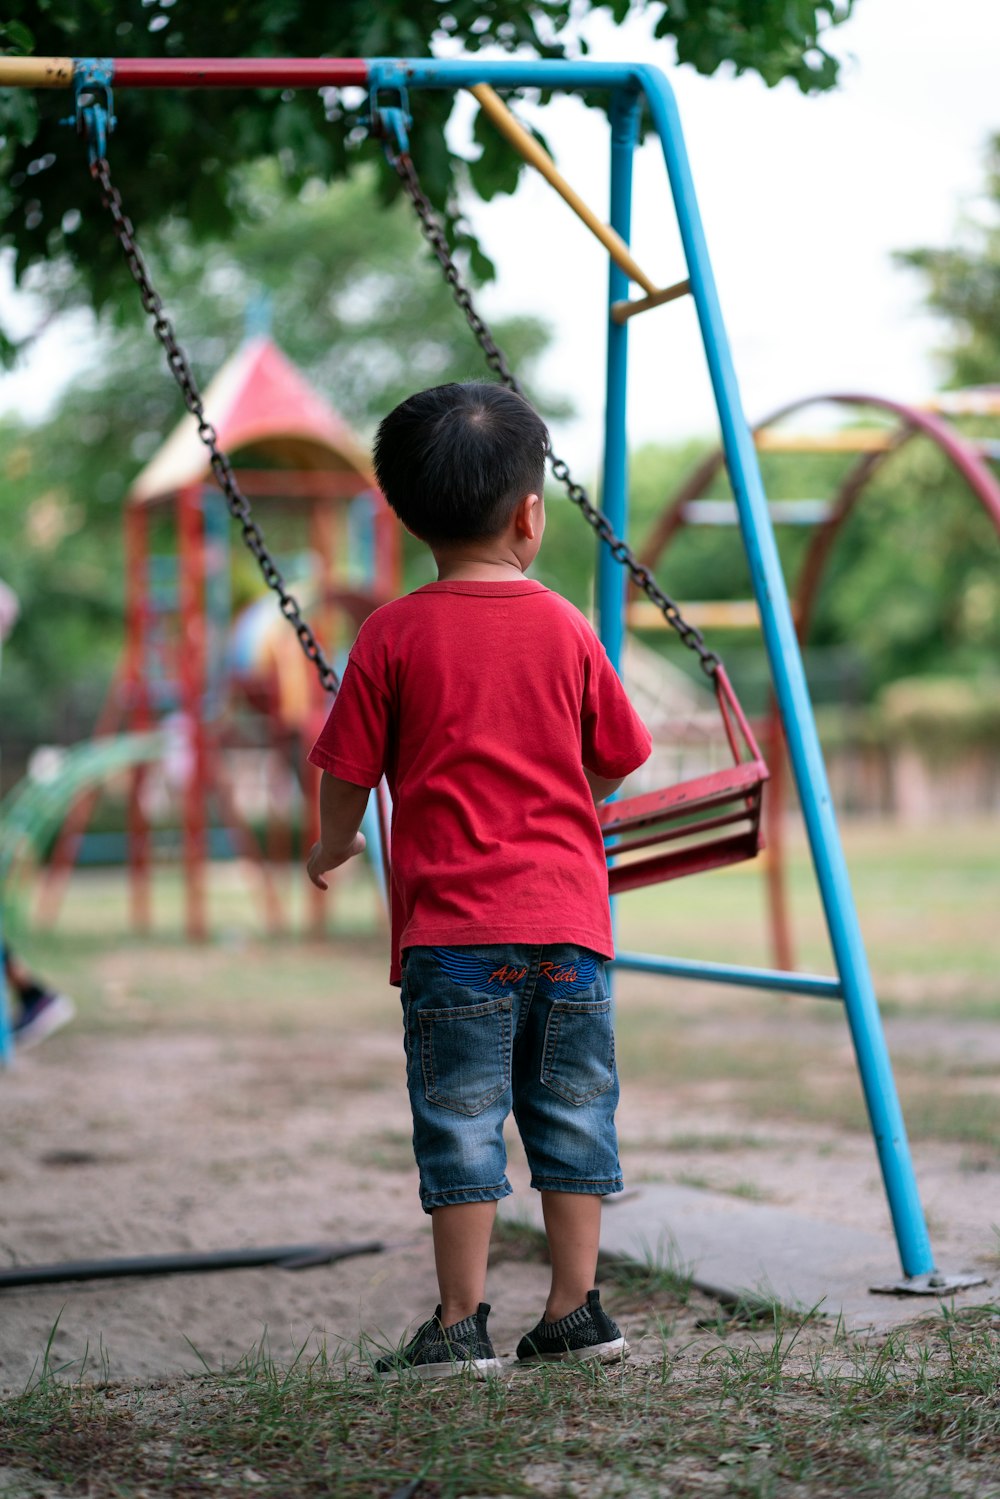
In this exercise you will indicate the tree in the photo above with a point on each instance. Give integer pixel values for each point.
(177, 158)
(963, 286)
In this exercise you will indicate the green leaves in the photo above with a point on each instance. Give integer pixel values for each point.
(775, 38)
(963, 286)
(15, 37)
(497, 168)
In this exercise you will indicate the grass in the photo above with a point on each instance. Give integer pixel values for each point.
(660, 1275)
(802, 1410)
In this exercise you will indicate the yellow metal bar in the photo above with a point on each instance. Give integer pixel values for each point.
(981, 400)
(525, 144)
(720, 614)
(860, 440)
(36, 72)
(622, 311)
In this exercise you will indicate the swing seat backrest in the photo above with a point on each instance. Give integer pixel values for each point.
(701, 824)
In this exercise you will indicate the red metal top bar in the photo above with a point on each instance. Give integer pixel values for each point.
(239, 72)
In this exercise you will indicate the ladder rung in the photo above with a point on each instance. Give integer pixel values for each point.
(848, 440)
(720, 614)
(782, 512)
(974, 400)
(622, 311)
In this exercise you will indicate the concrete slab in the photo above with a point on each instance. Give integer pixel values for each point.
(736, 1249)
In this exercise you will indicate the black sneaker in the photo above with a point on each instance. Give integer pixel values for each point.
(435, 1352)
(41, 1016)
(586, 1333)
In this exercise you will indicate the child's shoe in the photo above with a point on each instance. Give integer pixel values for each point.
(42, 1014)
(435, 1352)
(586, 1333)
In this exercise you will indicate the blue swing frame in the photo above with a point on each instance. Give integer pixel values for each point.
(630, 86)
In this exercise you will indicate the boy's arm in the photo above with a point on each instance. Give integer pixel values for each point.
(341, 808)
(600, 787)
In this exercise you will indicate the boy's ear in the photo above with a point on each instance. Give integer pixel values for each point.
(527, 516)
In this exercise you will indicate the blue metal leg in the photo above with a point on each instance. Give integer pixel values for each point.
(614, 480)
(806, 757)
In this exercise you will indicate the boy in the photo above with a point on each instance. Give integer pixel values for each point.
(492, 709)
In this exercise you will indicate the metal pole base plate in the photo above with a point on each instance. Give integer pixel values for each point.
(934, 1283)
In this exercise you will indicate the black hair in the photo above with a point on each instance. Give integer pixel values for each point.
(455, 460)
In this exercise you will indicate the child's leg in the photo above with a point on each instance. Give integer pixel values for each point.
(565, 1093)
(573, 1229)
(461, 1249)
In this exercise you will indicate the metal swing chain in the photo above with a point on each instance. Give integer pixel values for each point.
(620, 550)
(236, 500)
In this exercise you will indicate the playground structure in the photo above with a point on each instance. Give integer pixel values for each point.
(870, 447)
(227, 684)
(629, 87)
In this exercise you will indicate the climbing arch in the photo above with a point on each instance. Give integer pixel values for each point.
(873, 446)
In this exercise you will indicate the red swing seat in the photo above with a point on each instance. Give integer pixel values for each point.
(705, 823)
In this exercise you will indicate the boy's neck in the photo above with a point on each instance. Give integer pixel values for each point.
(476, 566)
(503, 558)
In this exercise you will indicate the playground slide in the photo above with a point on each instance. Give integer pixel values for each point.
(32, 813)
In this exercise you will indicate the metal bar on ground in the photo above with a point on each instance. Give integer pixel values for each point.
(283, 1256)
(814, 985)
(623, 310)
(525, 144)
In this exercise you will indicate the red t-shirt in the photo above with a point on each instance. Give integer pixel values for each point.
(481, 703)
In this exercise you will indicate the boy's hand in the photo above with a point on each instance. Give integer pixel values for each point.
(321, 860)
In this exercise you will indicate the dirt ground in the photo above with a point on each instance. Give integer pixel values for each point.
(143, 1130)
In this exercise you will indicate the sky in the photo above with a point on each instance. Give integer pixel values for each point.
(803, 199)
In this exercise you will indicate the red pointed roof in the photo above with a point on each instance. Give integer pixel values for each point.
(257, 400)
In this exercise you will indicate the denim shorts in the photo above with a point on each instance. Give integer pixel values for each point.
(494, 1029)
